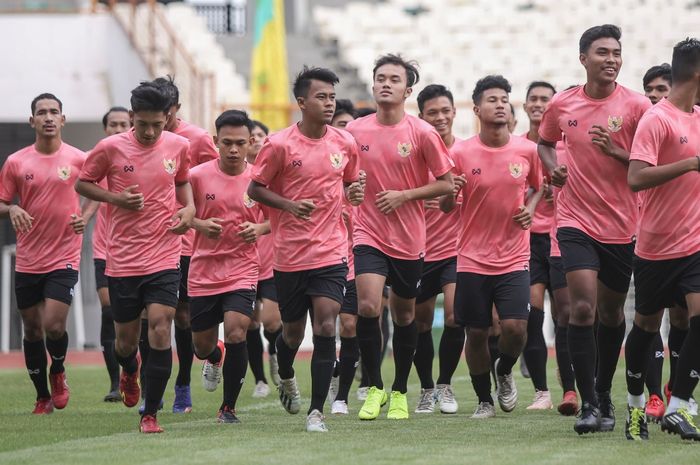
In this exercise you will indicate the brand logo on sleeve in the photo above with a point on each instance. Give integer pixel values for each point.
(614, 123)
(296, 163)
(336, 160)
(170, 165)
(64, 173)
(128, 168)
(573, 123)
(404, 149)
(476, 171)
(210, 197)
(29, 177)
(247, 201)
(516, 169)
(684, 139)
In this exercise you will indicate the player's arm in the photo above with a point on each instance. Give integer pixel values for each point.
(548, 155)
(602, 139)
(354, 192)
(449, 202)
(128, 199)
(388, 201)
(20, 219)
(642, 175)
(211, 227)
(250, 232)
(526, 212)
(183, 217)
(260, 193)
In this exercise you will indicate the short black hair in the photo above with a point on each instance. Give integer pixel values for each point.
(489, 82)
(512, 109)
(344, 106)
(411, 67)
(235, 118)
(432, 91)
(264, 128)
(662, 71)
(366, 111)
(46, 96)
(686, 60)
(302, 83)
(149, 97)
(598, 32)
(112, 110)
(535, 84)
(167, 83)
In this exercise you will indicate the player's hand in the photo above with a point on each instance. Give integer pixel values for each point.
(389, 201)
(601, 139)
(302, 209)
(21, 220)
(548, 192)
(559, 175)
(77, 223)
(356, 193)
(431, 204)
(523, 217)
(459, 181)
(211, 227)
(250, 232)
(363, 178)
(129, 199)
(182, 220)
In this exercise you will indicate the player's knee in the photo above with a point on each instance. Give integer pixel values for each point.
(325, 328)
(235, 335)
(477, 336)
(582, 312)
(368, 308)
(348, 327)
(678, 318)
(182, 317)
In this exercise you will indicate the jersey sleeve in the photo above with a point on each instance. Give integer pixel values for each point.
(96, 165)
(183, 170)
(8, 183)
(202, 150)
(435, 154)
(268, 164)
(647, 140)
(549, 126)
(352, 169)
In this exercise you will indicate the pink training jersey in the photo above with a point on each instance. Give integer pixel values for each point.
(44, 185)
(139, 241)
(544, 213)
(398, 157)
(441, 229)
(596, 198)
(99, 233)
(669, 225)
(228, 263)
(348, 213)
(202, 149)
(490, 241)
(554, 243)
(265, 255)
(297, 168)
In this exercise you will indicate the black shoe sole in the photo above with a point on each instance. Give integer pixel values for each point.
(670, 431)
(607, 429)
(586, 430)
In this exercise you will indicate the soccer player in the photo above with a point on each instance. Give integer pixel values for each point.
(436, 107)
(302, 173)
(147, 175)
(663, 163)
(49, 223)
(260, 132)
(657, 82)
(344, 113)
(596, 213)
(494, 243)
(398, 152)
(224, 266)
(115, 121)
(512, 120)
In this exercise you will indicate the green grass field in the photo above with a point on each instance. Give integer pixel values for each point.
(92, 432)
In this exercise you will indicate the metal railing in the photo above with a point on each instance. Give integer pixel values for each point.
(224, 19)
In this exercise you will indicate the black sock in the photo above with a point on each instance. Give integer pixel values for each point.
(129, 363)
(482, 387)
(160, 365)
(369, 337)
(688, 362)
(364, 382)
(404, 347)
(235, 366)
(676, 338)
(450, 350)
(566, 372)
(535, 351)
(57, 349)
(35, 360)
(386, 333)
(107, 336)
(285, 358)
(214, 357)
(423, 359)
(656, 366)
(255, 354)
(494, 353)
(144, 350)
(637, 358)
(609, 345)
(322, 363)
(185, 355)
(505, 364)
(582, 349)
(271, 338)
(349, 356)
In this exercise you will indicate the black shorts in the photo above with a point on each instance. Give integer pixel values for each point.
(183, 296)
(613, 262)
(208, 311)
(477, 293)
(100, 277)
(659, 284)
(295, 289)
(540, 246)
(436, 275)
(32, 288)
(557, 277)
(267, 290)
(403, 275)
(350, 299)
(129, 295)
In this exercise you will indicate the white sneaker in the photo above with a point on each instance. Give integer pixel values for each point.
(445, 397)
(362, 393)
(506, 391)
(426, 402)
(484, 410)
(315, 422)
(333, 389)
(692, 407)
(542, 401)
(211, 373)
(274, 370)
(261, 390)
(339, 407)
(289, 395)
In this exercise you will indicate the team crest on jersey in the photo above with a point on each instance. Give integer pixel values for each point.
(170, 165)
(516, 169)
(64, 173)
(336, 160)
(405, 149)
(614, 123)
(247, 201)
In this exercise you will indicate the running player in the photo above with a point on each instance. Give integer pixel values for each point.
(512, 119)
(596, 214)
(398, 152)
(657, 82)
(49, 223)
(147, 174)
(344, 113)
(300, 174)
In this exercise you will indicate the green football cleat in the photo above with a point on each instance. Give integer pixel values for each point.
(398, 407)
(376, 398)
